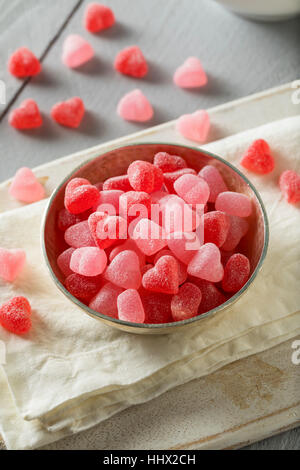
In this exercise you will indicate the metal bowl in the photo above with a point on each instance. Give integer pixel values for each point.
(115, 162)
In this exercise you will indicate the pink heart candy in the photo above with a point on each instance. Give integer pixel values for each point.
(76, 51)
(25, 187)
(194, 126)
(206, 264)
(124, 270)
(134, 106)
(105, 301)
(11, 263)
(184, 245)
(130, 307)
(193, 189)
(149, 237)
(88, 261)
(190, 74)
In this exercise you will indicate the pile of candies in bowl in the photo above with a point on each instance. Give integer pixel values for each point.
(152, 237)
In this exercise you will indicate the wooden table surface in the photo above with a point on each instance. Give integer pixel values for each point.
(241, 57)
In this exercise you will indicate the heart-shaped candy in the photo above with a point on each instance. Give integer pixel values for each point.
(124, 270)
(23, 63)
(107, 229)
(27, 116)
(11, 263)
(258, 158)
(69, 113)
(184, 245)
(76, 51)
(25, 187)
(88, 261)
(194, 126)
(193, 189)
(185, 304)
(190, 74)
(131, 61)
(149, 236)
(134, 106)
(163, 277)
(80, 195)
(15, 315)
(206, 264)
(130, 307)
(289, 184)
(98, 17)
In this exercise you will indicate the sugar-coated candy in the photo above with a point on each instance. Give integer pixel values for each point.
(190, 74)
(169, 163)
(193, 189)
(80, 195)
(124, 270)
(234, 204)
(69, 113)
(23, 63)
(184, 245)
(25, 187)
(163, 277)
(194, 126)
(27, 116)
(117, 182)
(106, 229)
(146, 268)
(157, 307)
(98, 17)
(258, 158)
(109, 198)
(236, 273)
(216, 227)
(11, 263)
(82, 287)
(130, 307)
(182, 269)
(63, 261)
(149, 237)
(129, 244)
(211, 296)
(105, 301)
(289, 183)
(76, 51)
(88, 261)
(65, 219)
(134, 204)
(171, 177)
(177, 216)
(79, 235)
(214, 180)
(144, 176)
(206, 264)
(15, 315)
(237, 230)
(131, 61)
(185, 304)
(134, 106)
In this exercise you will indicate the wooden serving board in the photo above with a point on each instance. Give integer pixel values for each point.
(241, 403)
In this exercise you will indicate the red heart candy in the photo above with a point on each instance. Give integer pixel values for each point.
(69, 113)
(98, 17)
(23, 63)
(131, 61)
(107, 229)
(135, 203)
(80, 195)
(144, 176)
(258, 158)
(170, 178)
(15, 315)
(185, 304)
(27, 116)
(289, 184)
(163, 277)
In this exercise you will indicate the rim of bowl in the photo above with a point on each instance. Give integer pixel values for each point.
(149, 326)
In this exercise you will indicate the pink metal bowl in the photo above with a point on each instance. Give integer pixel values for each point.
(115, 162)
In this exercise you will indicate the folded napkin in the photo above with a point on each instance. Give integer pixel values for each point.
(72, 372)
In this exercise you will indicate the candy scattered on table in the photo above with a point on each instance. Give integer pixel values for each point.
(131, 61)
(185, 304)
(76, 51)
(134, 106)
(194, 126)
(130, 307)
(105, 301)
(132, 254)
(23, 63)
(98, 17)
(236, 273)
(234, 204)
(11, 263)
(190, 74)
(69, 113)
(289, 183)
(25, 187)
(27, 116)
(15, 315)
(258, 158)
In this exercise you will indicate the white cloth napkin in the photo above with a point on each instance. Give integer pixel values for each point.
(71, 371)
